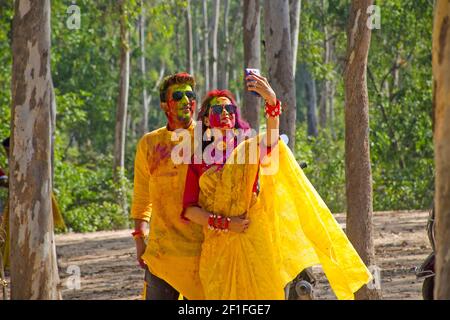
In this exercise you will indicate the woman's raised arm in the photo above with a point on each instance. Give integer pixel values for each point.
(260, 85)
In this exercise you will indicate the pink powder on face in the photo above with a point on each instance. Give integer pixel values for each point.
(214, 120)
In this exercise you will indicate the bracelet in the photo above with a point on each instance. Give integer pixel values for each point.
(215, 223)
(273, 111)
(211, 220)
(227, 224)
(219, 223)
(137, 234)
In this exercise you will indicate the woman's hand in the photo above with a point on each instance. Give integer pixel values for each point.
(239, 224)
(260, 85)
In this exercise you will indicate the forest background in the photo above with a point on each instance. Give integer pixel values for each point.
(85, 69)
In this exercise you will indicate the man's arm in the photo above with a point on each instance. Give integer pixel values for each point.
(141, 208)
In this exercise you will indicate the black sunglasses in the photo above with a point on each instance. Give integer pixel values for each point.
(178, 95)
(217, 109)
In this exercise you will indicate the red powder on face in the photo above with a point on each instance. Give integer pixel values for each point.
(214, 120)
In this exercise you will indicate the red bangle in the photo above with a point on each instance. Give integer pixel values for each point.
(227, 224)
(137, 234)
(211, 219)
(273, 111)
(219, 222)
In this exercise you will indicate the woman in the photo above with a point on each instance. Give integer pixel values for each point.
(278, 223)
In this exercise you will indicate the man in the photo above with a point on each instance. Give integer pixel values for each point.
(171, 256)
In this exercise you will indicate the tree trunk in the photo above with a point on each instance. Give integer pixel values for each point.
(332, 87)
(196, 39)
(225, 62)
(206, 45)
(189, 41)
(279, 61)
(215, 29)
(122, 106)
(34, 270)
(294, 19)
(358, 174)
(52, 133)
(441, 106)
(323, 105)
(331, 108)
(311, 101)
(252, 58)
(144, 123)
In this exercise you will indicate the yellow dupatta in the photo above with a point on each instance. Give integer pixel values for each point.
(291, 229)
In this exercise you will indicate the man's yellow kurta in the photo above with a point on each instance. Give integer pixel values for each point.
(174, 245)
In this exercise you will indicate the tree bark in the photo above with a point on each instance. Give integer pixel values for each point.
(196, 38)
(331, 108)
(122, 105)
(144, 122)
(189, 41)
(441, 106)
(252, 58)
(279, 61)
(215, 29)
(311, 102)
(323, 105)
(52, 132)
(206, 45)
(294, 19)
(358, 173)
(225, 62)
(34, 271)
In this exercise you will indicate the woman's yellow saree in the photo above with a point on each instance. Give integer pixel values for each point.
(290, 229)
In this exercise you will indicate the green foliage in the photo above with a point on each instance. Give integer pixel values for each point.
(85, 70)
(87, 196)
(6, 14)
(400, 113)
(400, 110)
(326, 167)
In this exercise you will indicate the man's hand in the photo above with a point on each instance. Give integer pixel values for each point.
(140, 250)
(140, 226)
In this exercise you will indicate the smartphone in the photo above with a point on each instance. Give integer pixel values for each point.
(255, 71)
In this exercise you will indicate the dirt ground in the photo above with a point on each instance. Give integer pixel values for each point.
(108, 269)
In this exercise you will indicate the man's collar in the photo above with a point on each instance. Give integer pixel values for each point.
(190, 127)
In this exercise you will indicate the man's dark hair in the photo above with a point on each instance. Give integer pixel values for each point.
(5, 143)
(178, 78)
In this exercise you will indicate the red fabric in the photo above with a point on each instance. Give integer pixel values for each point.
(191, 187)
(2, 173)
(137, 232)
